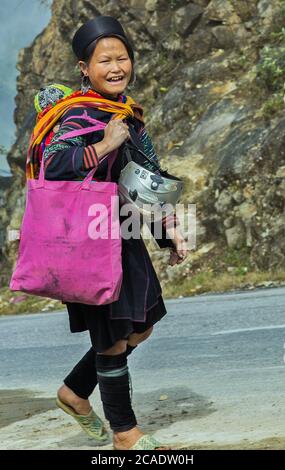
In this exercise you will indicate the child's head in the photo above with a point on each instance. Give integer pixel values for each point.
(50, 95)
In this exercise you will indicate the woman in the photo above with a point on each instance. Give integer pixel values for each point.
(106, 61)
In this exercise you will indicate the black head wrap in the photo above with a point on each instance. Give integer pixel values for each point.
(101, 26)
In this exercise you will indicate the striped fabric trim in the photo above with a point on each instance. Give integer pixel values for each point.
(114, 373)
(70, 124)
(47, 162)
(59, 136)
(90, 158)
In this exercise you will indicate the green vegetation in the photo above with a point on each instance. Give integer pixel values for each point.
(241, 62)
(271, 68)
(271, 76)
(173, 4)
(273, 105)
(237, 258)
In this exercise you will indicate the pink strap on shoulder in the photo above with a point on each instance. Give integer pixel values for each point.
(85, 130)
(99, 125)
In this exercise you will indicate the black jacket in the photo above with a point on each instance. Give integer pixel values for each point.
(73, 158)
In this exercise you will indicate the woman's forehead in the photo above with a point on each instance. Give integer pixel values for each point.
(110, 45)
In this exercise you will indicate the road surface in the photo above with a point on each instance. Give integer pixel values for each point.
(212, 375)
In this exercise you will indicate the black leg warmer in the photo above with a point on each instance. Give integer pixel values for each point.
(82, 380)
(113, 378)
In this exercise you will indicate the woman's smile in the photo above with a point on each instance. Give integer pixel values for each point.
(116, 80)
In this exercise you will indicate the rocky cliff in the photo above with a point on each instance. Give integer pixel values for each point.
(210, 76)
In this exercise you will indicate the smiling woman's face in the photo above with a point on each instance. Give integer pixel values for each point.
(109, 60)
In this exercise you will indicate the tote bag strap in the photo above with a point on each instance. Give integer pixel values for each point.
(85, 130)
(85, 183)
(98, 126)
(111, 156)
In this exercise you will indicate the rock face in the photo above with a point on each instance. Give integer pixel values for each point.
(213, 105)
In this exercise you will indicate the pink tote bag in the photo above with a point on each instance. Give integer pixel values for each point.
(60, 256)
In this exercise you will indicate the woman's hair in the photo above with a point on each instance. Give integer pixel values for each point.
(90, 49)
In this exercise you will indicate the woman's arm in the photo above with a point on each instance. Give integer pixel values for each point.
(68, 158)
(71, 158)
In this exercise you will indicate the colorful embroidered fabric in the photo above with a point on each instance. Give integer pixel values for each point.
(50, 95)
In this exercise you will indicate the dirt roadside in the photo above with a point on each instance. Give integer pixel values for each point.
(28, 421)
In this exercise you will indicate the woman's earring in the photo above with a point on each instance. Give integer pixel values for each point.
(85, 84)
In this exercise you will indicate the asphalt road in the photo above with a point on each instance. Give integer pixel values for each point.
(211, 375)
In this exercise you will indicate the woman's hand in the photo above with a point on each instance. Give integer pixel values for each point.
(179, 253)
(115, 133)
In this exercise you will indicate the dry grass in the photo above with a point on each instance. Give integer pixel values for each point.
(31, 304)
(215, 282)
(199, 283)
